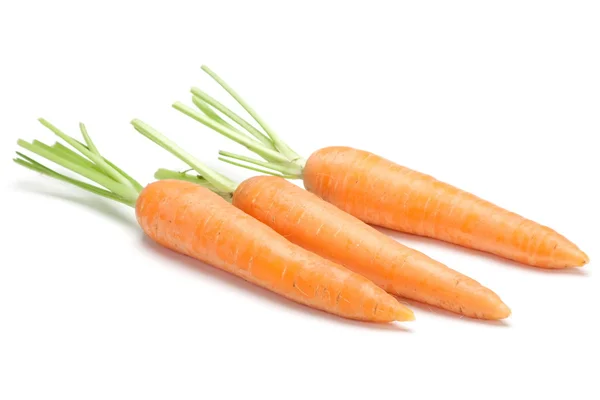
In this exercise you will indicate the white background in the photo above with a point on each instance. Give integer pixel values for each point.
(499, 98)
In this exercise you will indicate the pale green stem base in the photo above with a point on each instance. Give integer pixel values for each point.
(219, 182)
(198, 180)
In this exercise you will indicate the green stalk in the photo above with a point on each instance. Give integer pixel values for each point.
(251, 144)
(220, 182)
(88, 139)
(279, 144)
(210, 113)
(236, 118)
(118, 185)
(99, 161)
(37, 167)
(206, 109)
(123, 190)
(288, 170)
(69, 154)
(198, 180)
(256, 169)
(135, 184)
(163, 173)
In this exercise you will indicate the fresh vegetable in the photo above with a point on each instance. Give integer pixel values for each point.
(383, 193)
(322, 228)
(194, 221)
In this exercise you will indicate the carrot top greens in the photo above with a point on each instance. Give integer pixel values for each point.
(106, 179)
(278, 158)
(110, 181)
(206, 177)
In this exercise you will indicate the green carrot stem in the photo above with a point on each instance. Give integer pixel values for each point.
(118, 185)
(69, 154)
(206, 109)
(220, 182)
(279, 144)
(88, 139)
(99, 161)
(37, 167)
(210, 113)
(289, 169)
(257, 169)
(236, 118)
(136, 185)
(251, 144)
(124, 191)
(163, 173)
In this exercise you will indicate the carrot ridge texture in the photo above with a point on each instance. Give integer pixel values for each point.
(383, 193)
(324, 229)
(194, 221)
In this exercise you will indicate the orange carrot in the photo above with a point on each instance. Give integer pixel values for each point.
(380, 192)
(318, 226)
(194, 221)
(408, 201)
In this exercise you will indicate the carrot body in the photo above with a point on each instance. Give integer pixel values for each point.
(194, 221)
(383, 193)
(320, 227)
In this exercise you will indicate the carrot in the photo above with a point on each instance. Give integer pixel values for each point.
(194, 221)
(322, 228)
(383, 193)
(421, 205)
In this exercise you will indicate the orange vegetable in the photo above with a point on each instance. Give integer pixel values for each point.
(318, 226)
(196, 222)
(383, 193)
(386, 194)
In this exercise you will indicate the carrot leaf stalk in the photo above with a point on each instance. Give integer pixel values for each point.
(206, 109)
(163, 173)
(199, 97)
(279, 144)
(92, 156)
(287, 170)
(235, 135)
(205, 176)
(111, 182)
(218, 183)
(275, 151)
